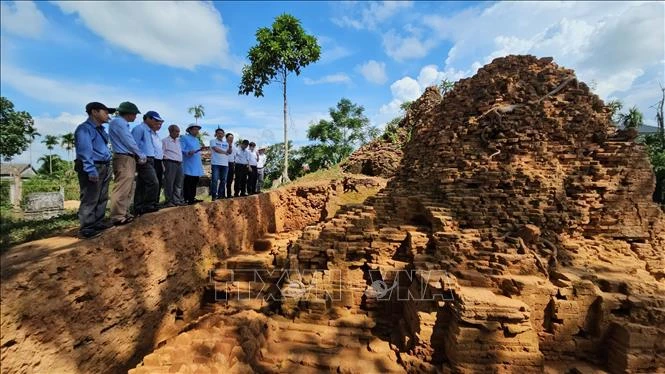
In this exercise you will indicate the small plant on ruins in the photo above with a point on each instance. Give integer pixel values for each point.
(392, 129)
(445, 86)
(655, 144)
(280, 50)
(631, 120)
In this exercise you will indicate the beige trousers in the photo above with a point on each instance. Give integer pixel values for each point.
(124, 170)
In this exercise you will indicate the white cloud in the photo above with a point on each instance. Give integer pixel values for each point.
(403, 48)
(333, 78)
(179, 34)
(368, 15)
(22, 18)
(373, 71)
(406, 89)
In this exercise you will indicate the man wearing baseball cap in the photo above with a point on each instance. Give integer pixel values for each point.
(92, 166)
(191, 163)
(146, 194)
(126, 154)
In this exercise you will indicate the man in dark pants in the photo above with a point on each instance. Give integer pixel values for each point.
(159, 155)
(253, 171)
(230, 174)
(92, 166)
(146, 194)
(242, 169)
(191, 164)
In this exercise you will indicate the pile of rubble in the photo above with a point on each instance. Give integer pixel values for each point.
(382, 157)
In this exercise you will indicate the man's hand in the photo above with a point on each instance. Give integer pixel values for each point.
(142, 161)
(190, 153)
(93, 178)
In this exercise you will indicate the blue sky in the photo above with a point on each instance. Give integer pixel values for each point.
(168, 56)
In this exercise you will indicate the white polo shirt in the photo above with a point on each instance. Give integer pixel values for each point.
(252, 157)
(171, 149)
(219, 158)
(262, 161)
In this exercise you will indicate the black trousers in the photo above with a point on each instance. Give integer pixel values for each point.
(146, 194)
(189, 188)
(230, 174)
(251, 180)
(94, 196)
(159, 170)
(242, 172)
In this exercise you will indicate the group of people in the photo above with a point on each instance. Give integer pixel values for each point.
(138, 154)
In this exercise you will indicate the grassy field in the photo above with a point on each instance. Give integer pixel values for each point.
(15, 230)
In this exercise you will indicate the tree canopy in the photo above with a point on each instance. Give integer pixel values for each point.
(347, 128)
(16, 130)
(198, 111)
(280, 50)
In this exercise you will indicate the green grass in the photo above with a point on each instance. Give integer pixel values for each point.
(15, 230)
(334, 172)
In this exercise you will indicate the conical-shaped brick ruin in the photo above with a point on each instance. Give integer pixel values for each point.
(518, 231)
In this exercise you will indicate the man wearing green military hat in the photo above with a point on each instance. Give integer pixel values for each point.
(126, 154)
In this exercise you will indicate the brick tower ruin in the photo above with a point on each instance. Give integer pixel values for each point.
(521, 206)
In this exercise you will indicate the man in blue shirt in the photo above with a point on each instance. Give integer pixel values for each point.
(92, 166)
(191, 163)
(146, 194)
(126, 154)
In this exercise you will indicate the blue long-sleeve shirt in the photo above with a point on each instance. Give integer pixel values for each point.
(122, 140)
(91, 144)
(191, 165)
(143, 136)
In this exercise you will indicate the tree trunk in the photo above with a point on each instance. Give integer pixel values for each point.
(50, 163)
(285, 172)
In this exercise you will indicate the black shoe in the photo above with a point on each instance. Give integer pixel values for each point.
(89, 234)
(103, 226)
(151, 209)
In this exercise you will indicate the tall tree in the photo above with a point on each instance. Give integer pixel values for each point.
(51, 141)
(198, 111)
(67, 142)
(280, 50)
(15, 130)
(32, 135)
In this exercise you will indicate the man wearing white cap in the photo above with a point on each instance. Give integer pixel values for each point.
(260, 164)
(191, 160)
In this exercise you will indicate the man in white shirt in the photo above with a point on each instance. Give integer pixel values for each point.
(251, 179)
(260, 164)
(173, 172)
(242, 169)
(219, 162)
